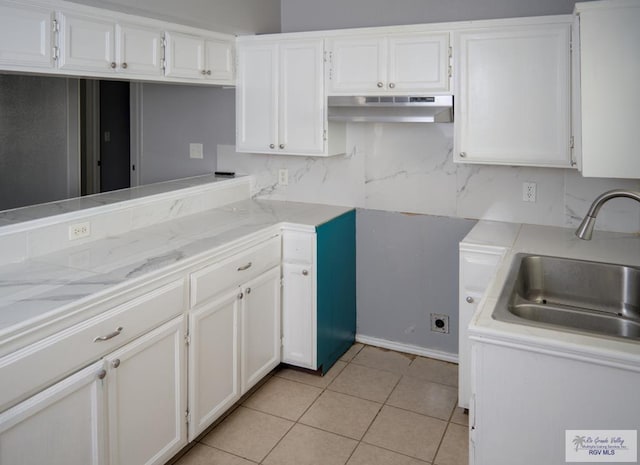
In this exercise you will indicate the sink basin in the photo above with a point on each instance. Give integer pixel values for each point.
(577, 295)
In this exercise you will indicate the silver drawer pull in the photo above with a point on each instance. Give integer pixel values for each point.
(469, 300)
(110, 335)
(244, 267)
(305, 272)
(102, 374)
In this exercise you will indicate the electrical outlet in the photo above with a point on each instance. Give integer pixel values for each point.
(283, 177)
(79, 230)
(196, 151)
(440, 323)
(528, 191)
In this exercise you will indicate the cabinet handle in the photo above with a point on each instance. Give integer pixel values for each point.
(102, 374)
(380, 85)
(208, 72)
(272, 146)
(391, 85)
(305, 272)
(240, 296)
(244, 267)
(463, 154)
(124, 65)
(248, 290)
(115, 363)
(469, 300)
(109, 336)
(281, 146)
(203, 72)
(113, 65)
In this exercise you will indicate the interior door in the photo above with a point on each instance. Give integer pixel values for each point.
(115, 155)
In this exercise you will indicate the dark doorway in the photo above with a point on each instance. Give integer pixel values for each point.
(115, 156)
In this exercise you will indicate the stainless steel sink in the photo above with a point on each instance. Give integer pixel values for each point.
(577, 295)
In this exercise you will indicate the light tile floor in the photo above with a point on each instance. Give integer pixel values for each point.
(374, 407)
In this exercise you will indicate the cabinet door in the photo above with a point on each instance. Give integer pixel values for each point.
(298, 315)
(214, 376)
(610, 66)
(358, 65)
(219, 60)
(146, 383)
(476, 271)
(301, 125)
(257, 98)
(419, 63)
(62, 425)
(87, 43)
(185, 56)
(513, 96)
(260, 338)
(25, 35)
(139, 49)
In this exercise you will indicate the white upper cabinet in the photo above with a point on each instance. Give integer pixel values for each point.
(610, 94)
(280, 100)
(139, 49)
(94, 44)
(87, 43)
(397, 63)
(195, 57)
(513, 95)
(26, 33)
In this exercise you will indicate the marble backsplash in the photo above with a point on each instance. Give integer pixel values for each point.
(409, 168)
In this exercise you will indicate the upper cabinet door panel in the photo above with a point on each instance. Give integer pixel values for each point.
(25, 35)
(513, 96)
(358, 65)
(610, 66)
(419, 63)
(301, 97)
(139, 49)
(257, 98)
(87, 43)
(219, 59)
(185, 56)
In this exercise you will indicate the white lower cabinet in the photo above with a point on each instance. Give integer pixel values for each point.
(62, 425)
(214, 363)
(260, 334)
(298, 315)
(146, 384)
(478, 265)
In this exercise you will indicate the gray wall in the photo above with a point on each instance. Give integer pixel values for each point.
(407, 268)
(39, 157)
(229, 16)
(174, 116)
(309, 15)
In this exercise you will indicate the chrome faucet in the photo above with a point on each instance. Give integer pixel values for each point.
(585, 230)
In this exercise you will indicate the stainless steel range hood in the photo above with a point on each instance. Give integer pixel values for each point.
(391, 109)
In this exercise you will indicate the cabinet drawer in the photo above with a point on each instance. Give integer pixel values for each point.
(34, 367)
(233, 271)
(298, 247)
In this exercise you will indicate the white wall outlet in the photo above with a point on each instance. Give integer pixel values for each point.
(528, 191)
(440, 323)
(283, 177)
(196, 151)
(79, 230)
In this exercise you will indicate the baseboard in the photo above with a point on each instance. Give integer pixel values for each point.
(407, 348)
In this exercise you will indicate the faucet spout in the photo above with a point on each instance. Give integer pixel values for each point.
(585, 230)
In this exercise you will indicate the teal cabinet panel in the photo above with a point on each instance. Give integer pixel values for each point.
(336, 288)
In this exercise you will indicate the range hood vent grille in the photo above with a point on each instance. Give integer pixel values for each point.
(391, 109)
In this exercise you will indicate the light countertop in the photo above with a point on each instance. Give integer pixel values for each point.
(606, 247)
(43, 288)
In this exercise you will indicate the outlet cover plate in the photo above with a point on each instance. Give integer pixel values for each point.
(196, 151)
(440, 323)
(79, 230)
